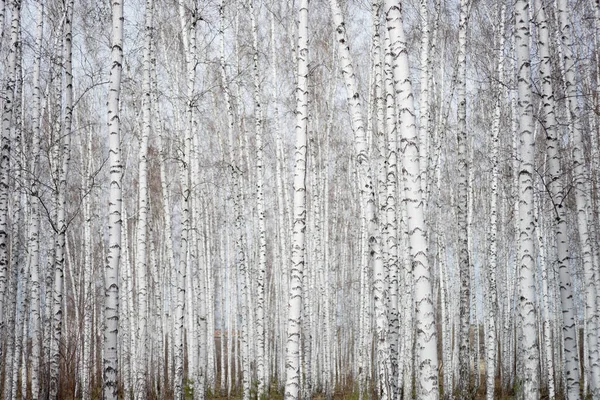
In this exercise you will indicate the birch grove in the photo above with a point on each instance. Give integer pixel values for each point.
(265, 199)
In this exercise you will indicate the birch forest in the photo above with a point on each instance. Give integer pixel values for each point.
(294, 199)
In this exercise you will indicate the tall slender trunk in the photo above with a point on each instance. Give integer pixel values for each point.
(186, 245)
(34, 226)
(260, 205)
(555, 188)
(529, 356)
(141, 353)
(462, 211)
(424, 115)
(544, 303)
(5, 151)
(426, 339)
(580, 176)
(293, 352)
(492, 313)
(61, 220)
(367, 196)
(111, 273)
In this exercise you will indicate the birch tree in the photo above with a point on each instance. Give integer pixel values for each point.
(5, 154)
(111, 273)
(556, 191)
(141, 355)
(491, 350)
(61, 195)
(260, 200)
(34, 224)
(426, 339)
(530, 358)
(292, 350)
(367, 196)
(580, 177)
(463, 206)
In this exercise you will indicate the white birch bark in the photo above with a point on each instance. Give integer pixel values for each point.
(545, 304)
(125, 307)
(88, 281)
(61, 220)
(5, 151)
(462, 211)
(555, 188)
(529, 356)
(392, 223)
(283, 227)
(426, 338)
(2, 12)
(424, 115)
(294, 324)
(238, 189)
(232, 281)
(20, 317)
(170, 265)
(260, 205)
(579, 176)
(188, 30)
(492, 313)
(367, 196)
(20, 281)
(141, 353)
(34, 225)
(446, 320)
(111, 273)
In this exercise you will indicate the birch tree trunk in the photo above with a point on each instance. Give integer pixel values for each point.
(462, 211)
(426, 338)
(141, 353)
(491, 350)
(34, 227)
(293, 354)
(260, 204)
(111, 273)
(61, 221)
(580, 176)
(387, 126)
(187, 244)
(5, 153)
(527, 305)
(367, 196)
(88, 281)
(555, 188)
(545, 304)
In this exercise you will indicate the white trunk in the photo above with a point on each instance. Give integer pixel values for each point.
(111, 273)
(293, 354)
(462, 212)
(580, 176)
(260, 209)
(392, 223)
(141, 352)
(545, 304)
(5, 151)
(61, 220)
(492, 313)
(34, 225)
(426, 340)
(446, 320)
(125, 296)
(555, 186)
(169, 261)
(424, 115)
(367, 197)
(530, 360)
